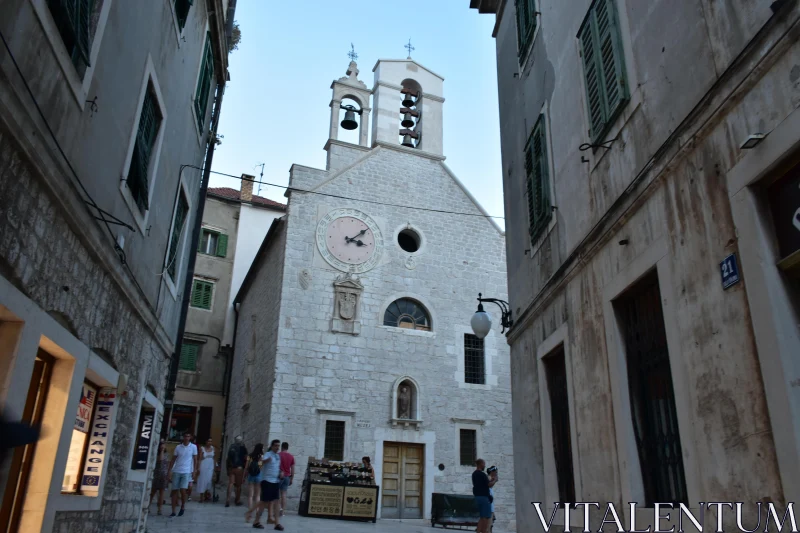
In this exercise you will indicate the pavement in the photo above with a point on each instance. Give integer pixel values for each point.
(216, 518)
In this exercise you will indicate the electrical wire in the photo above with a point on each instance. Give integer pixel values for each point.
(292, 189)
(120, 252)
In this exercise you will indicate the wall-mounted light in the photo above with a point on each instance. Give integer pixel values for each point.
(481, 322)
(752, 141)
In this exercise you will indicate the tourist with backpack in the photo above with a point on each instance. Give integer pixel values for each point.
(253, 471)
(235, 465)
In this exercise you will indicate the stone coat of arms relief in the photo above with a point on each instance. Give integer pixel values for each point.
(346, 312)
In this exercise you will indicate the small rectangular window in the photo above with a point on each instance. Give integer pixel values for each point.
(149, 124)
(468, 446)
(474, 360)
(204, 85)
(334, 440)
(526, 26)
(540, 210)
(189, 353)
(202, 293)
(603, 67)
(181, 210)
(213, 243)
(182, 8)
(73, 20)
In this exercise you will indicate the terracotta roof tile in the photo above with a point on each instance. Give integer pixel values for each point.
(233, 194)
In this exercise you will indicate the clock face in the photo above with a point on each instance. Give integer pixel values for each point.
(349, 240)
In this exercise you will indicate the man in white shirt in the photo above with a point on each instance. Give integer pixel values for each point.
(182, 467)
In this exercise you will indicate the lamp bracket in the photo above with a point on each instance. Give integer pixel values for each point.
(506, 320)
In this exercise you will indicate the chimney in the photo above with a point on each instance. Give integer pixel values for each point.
(247, 188)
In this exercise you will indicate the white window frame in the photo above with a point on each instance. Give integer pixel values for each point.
(152, 172)
(172, 285)
(529, 52)
(206, 129)
(559, 338)
(211, 229)
(337, 416)
(477, 426)
(178, 31)
(146, 400)
(489, 354)
(631, 483)
(78, 86)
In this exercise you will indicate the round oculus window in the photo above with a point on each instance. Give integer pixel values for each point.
(408, 240)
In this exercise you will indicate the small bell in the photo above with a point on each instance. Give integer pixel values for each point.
(408, 121)
(349, 122)
(408, 101)
(408, 141)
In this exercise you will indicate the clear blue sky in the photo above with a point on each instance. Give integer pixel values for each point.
(275, 110)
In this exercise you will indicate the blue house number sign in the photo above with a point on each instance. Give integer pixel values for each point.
(730, 271)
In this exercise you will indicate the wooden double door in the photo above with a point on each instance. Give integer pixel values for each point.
(402, 485)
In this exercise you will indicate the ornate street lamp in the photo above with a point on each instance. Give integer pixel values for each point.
(481, 322)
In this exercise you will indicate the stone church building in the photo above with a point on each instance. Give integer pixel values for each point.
(353, 329)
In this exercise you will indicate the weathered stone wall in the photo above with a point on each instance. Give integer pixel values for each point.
(46, 259)
(254, 365)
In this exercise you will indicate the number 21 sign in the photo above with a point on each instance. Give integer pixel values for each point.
(730, 271)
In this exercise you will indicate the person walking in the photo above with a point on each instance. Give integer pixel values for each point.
(270, 488)
(481, 485)
(287, 469)
(253, 470)
(235, 466)
(160, 475)
(181, 468)
(206, 475)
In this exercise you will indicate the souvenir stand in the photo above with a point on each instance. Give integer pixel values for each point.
(346, 491)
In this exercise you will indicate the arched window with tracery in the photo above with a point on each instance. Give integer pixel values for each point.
(407, 314)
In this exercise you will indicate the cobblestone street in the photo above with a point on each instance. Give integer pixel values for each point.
(215, 518)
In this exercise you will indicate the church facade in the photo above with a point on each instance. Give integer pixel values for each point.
(353, 329)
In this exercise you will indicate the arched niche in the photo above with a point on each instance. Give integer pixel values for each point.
(345, 135)
(412, 416)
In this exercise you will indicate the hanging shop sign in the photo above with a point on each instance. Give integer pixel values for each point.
(98, 441)
(143, 442)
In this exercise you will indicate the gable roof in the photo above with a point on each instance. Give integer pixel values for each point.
(232, 194)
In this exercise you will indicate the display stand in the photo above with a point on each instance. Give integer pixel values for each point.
(344, 491)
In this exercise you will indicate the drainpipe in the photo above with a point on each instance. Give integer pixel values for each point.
(187, 288)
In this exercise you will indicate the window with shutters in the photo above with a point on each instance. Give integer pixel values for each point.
(603, 67)
(213, 243)
(178, 221)
(540, 209)
(468, 446)
(73, 21)
(526, 27)
(188, 359)
(139, 171)
(182, 8)
(474, 360)
(204, 85)
(202, 293)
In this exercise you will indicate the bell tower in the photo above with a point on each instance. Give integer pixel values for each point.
(350, 88)
(407, 99)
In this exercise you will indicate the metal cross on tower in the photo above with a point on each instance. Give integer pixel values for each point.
(409, 48)
(352, 53)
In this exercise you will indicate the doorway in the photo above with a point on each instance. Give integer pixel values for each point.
(403, 468)
(22, 460)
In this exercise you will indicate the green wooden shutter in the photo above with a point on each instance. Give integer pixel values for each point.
(595, 99)
(149, 124)
(538, 189)
(177, 228)
(222, 245)
(188, 359)
(611, 56)
(204, 85)
(207, 292)
(197, 293)
(200, 240)
(526, 25)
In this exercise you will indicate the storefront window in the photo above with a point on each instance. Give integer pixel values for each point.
(182, 421)
(80, 436)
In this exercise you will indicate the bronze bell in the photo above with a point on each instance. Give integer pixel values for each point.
(408, 141)
(408, 121)
(349, 122)
(408, 101)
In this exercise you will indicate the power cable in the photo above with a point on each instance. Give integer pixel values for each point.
(292, 189)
